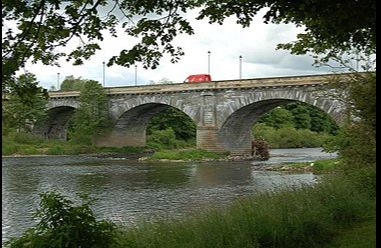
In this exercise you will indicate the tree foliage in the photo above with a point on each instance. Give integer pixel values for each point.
(25, 103)
(300, 116)
(182, 125)
(72, 83)
(35, 29)
(62, 224)
(278, 117)
(356, 142)
(91, 117)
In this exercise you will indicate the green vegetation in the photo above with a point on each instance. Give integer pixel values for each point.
(182, 125)
(317, 167)
(61, 224)
(166, 139)
(72, 83)
(363, 235)
(91, 118)
(289, 137)
(295, 125)
(21, 143)
(325, 165)
(300, 115)
(191, 154)
(299, 217)
(25, 104)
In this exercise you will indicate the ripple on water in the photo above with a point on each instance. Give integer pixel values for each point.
(128, 191)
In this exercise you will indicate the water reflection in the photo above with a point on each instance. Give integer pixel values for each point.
(127, 190)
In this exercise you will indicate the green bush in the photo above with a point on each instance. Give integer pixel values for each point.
(29, 150)
(193, 154)
(25, 138)
(55, 150)
(64, 225)
(81, 138)
(9, 148)
(325, 165)
(163, 139)
(289, 137)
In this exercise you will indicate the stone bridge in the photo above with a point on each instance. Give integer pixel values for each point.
(223, 111)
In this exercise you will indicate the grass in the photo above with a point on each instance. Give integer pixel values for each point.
(362, 235)
(297, 217)
(32, 145)
(317, 167)
(189, 154)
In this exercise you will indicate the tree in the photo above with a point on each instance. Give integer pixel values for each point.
(91, 117)
(52, 88)
(300, 115)
(25, 105)
(33, 30)
(162, 81)
(321, 121)
(180, 123)
(278, 117)
(72, 83)
(356, 140)
(63, 224)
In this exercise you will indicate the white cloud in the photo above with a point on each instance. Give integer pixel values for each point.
(226, 42)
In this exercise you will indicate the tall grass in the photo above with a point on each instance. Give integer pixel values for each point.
(297, 217)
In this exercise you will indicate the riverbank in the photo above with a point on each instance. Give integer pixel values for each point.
(315, 165)
(296, 215)
(326, 215)
(332, 213)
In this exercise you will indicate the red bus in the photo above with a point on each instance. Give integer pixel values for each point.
(198, 78)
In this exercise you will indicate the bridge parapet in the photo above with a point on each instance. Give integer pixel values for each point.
(308, 80)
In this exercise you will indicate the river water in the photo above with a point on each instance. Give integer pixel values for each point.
(128, 191)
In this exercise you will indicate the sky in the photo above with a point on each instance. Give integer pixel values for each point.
(256, 44)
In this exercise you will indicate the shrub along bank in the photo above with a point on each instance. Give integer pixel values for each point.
(29, 144)
(317, 167)
(289, 137)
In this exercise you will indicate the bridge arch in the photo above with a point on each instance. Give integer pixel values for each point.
(235, 130)
(130, 128)
(310, 96)
(56, 125)
(118, 109)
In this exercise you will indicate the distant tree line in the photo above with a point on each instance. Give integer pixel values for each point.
(300, 116)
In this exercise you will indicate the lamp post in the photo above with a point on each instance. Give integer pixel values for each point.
(240, 66)
(58, 81)
(208, 62)
(136, 75)
(104, 78)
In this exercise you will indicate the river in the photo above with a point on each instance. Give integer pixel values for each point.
(128, 191)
